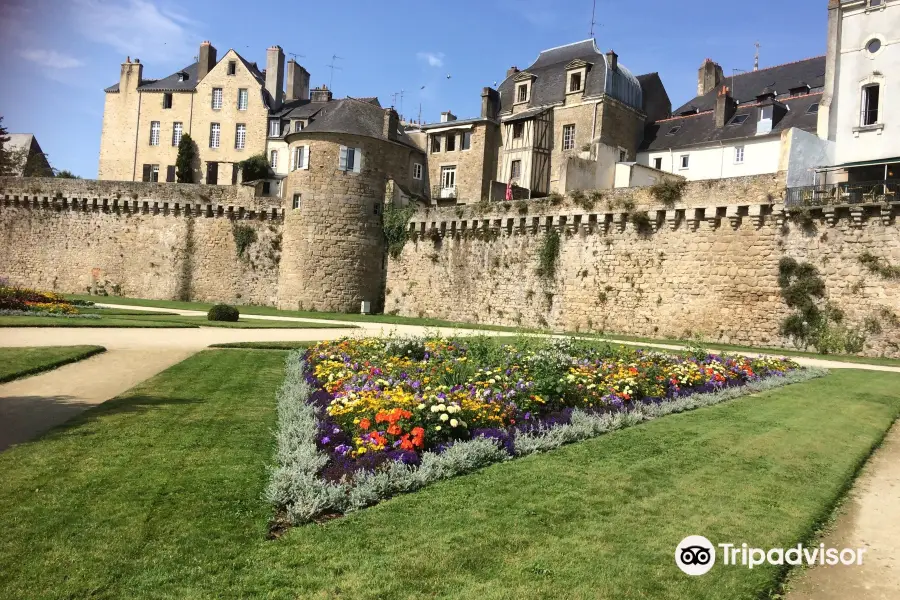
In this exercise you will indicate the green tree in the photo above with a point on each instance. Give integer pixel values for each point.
(184, 163)
(36, 165)
(255, 167)
(66, 174)
(5, 158)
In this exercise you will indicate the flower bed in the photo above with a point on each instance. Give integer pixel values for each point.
(362, 419)
(33, 301)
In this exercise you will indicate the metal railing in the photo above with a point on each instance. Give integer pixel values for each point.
(860, 192)
(444, 192)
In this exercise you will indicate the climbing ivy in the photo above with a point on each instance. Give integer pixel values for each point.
(244, 236)
(547, 255)
(395, 225)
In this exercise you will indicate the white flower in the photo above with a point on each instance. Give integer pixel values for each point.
(422, 406)
(435, 408)
(437, 427)
(444, 417)
(454, 423)
(442, 407)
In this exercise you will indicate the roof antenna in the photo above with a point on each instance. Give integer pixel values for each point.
(593, 21)
(756, 62)
(333, 67)
(296, 56)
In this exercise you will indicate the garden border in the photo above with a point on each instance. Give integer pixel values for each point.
(300, 496)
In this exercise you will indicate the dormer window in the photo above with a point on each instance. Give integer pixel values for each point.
(800, 90)
(575, 82)
(674, 130)
(739, 119)
(522, 92)
(182, 76)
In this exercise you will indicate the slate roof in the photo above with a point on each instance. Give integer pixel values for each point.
(171, 83)
(700, 129)
(781, 78)
(549, 85)
(354, 117)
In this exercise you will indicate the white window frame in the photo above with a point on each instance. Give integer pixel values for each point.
(418, 171)
(274, 128)
(154, 133)
(300, 160)
(739, 155)
(568, 141)
(154, 173)
(657, 161)
(448, 181)
(685, 162)
(295, 201)
(215, 135)
(273, 159)
(572, 77)
(216, 98)
(350, 160)
(864, 95)
(298, 126)
(243, 99)
(519, 94)
(177, 132)
(240, 136)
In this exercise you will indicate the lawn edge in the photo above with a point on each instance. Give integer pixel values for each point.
(93, 351)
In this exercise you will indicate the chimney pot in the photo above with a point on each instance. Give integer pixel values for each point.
(512, 71)
(613, 59)
(206, 60)
(725, 107)
(275, 75)
(709, 77)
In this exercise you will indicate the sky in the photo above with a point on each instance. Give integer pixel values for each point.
(57, 56)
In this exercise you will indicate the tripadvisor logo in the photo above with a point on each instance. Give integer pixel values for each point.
(696, 555)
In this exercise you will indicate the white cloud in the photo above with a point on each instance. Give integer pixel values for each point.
(139, 29)
(51, 59)
(434, 59)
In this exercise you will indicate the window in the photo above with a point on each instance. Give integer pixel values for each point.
(685, 161)
(296, 202)
(448, 177)
(515, 169)
(274, 128)
(568, 137)
(870, 97)
(451, 142)
(813, 108)
(435, 143)
(170, 174)
(154, 173)
(298, 126)
(623, 155)
(182, 76)
(466, 140)
(674, 130)
(273, 159)
(266, 188)
(350, 159)
(518, 130)
(154, 133)
(214, 132)
(300, 158)
(417, 171)
(657, 164)
(739, 119)
(232, 67)
(217, 98)
(575, 82)
(177, 128)
(240, 136)
(243, 99)
(874, 3)
(738, 155)
(522, 93)
(212, 173)
(167, 100)
(873, 46)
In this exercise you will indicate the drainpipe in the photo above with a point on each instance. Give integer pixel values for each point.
(137, 136)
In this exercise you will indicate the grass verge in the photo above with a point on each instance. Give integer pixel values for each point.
(265, 345)
(158, 494)
(155, 320)
(16, 363)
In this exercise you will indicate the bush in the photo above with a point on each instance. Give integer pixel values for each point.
(223, 312)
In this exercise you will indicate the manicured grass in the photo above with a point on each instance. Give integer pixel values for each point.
(158, 494)
(6, 321)
(155, 320)
(21, 362)
(265, 345)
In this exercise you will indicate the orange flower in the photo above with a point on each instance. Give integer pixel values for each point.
(364, 424)
(394, 429)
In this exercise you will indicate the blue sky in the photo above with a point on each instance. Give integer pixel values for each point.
(57, 56)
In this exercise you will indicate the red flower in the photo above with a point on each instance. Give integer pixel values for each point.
(406, 444)
(364, 424)
(394, 429)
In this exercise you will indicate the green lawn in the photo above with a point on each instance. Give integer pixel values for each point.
(265, 345)
(154, 320)
(157, 494)
(21, 362)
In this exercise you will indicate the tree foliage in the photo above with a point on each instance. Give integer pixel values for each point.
(184, 163)
(255, 167)
(5, 165)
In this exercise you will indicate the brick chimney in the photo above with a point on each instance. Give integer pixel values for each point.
(322, 94)
(130, 75)
(206, 59)
(511, 71)
(709, 77)
(297, 82)
(725, 107)
(275, 75)
(391, 123)
(613, 60)
(490, 103)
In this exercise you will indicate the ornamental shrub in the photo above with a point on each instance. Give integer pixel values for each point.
(223, 312)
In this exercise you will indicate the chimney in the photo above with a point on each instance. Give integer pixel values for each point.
(613, 60)
(206, 59)
(391, 124)
(709, 77)
(511, 71)
(447, 116)
(275, 75)
(725, 107)
(130, 75)
(322, 94)
(490, 103)
(297, 82)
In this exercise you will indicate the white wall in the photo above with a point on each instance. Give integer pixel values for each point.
(715, 162)
(857, 67)
(635, 175)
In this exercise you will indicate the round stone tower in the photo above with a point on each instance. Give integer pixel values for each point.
(333, 249)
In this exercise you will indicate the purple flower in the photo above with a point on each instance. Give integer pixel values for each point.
(326, 439)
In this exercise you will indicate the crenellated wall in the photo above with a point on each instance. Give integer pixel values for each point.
(706, 266)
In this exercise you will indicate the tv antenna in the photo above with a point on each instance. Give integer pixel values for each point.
(593, 18)
(733, 71)
(756, 61)
(332, 66)
(296, 56)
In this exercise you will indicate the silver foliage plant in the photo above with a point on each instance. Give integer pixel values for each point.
(296, 490)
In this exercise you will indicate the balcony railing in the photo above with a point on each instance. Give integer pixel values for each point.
(865, 192)
(443, 192)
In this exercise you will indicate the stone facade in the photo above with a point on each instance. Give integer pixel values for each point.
(475, 167)
(707, 267)
(118, 137)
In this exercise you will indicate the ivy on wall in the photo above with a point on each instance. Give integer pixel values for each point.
(548, 254)
(244, 236)
(395, 221)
